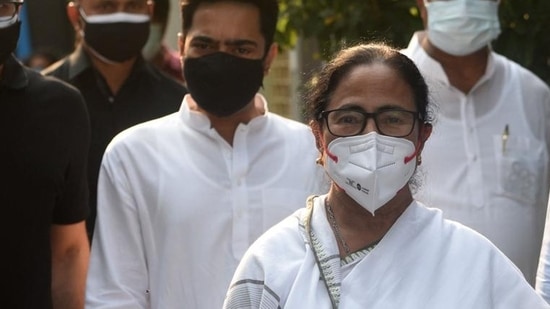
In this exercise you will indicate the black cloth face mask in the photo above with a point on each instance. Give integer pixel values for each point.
(116, 37)
(223, 84)
(9, 36)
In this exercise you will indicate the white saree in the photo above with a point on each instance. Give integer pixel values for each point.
(423, 262)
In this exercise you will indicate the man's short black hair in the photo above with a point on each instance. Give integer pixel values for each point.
(269, 13)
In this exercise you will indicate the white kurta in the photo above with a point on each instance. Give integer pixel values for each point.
(499, 189)
(178, 206)
(423, 261)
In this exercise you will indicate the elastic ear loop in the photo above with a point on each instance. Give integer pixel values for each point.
(329, 154)
(332, 157)
(408, 159)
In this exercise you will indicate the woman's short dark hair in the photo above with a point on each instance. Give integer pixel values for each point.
(322, 86)
(269, 13)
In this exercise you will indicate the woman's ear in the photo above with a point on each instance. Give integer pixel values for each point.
(425, 132)
(319, 142)
(318, 133)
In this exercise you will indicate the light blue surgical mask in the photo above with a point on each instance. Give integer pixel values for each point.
(461, 27)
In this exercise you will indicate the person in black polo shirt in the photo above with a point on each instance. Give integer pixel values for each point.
(120, 88)
(45, 135)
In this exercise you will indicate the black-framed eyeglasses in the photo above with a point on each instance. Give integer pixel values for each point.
(8, 9)
(349, 122)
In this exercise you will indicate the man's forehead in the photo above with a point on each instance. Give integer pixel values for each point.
(111, 1)
(227, 18)
(226, 41)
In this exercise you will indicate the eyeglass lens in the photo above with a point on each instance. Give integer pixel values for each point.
(397, 123)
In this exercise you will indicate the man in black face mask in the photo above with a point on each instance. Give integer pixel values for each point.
(120, 88)
(45, 137)
(182, 197)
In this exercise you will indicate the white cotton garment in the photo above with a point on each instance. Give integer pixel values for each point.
(423, 262)
(178, 206)
(498, 188)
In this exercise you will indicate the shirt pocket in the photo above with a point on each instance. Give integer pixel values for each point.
(519, 168)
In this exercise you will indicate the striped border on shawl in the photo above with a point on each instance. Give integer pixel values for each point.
(328, 264)
(251, 293)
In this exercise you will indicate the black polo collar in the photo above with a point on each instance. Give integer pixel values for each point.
(79, 61)
(13, 74)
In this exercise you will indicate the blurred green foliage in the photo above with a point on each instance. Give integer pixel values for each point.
(525, 26)
(525, 36)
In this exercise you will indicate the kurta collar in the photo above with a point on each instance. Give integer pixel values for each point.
(199, 121)
(432, 68)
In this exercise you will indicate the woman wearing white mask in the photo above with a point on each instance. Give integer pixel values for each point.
(368, 243)
(487, 164)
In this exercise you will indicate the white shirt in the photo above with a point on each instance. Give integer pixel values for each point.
(178, 206)
(423, 262)
(499, 188)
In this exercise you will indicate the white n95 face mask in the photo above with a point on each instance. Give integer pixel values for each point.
(371, 168)
(461, 27)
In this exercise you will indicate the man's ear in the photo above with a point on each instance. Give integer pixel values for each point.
(181, 44)
(423, 13)
(181, 50)
(73, 15)
(270, 56)
(151, 8)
